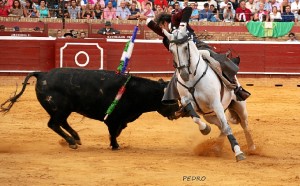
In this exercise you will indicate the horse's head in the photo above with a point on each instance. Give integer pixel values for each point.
(179, 47)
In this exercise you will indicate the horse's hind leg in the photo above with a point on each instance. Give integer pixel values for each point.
(226, 130)
(239, 107)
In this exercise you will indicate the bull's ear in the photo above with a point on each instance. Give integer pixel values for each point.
(168, 35)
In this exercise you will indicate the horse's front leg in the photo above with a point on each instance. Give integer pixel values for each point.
(239, 107)
(226, 130)
(189, 108)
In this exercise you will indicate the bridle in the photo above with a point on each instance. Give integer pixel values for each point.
(181, 41)
(179, 67)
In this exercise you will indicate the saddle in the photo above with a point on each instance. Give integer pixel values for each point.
(229, 67)
(222, 66)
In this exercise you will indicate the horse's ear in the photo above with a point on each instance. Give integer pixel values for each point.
(167, 34)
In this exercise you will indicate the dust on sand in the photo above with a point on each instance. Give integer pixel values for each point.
(154, 150)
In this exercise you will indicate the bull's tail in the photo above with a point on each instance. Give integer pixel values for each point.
(13, 99)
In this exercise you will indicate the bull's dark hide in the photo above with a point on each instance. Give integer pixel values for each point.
(90, 92)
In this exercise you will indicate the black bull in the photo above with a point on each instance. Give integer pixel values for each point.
(90, 92)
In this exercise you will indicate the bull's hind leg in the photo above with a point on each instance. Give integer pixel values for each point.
(73, 133)
(226, 130)
(54, 124)
(239, 107)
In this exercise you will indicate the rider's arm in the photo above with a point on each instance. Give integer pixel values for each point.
(186, 14)
(182, 18)
(154, 27)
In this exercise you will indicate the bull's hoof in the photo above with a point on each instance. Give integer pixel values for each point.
(240, 157)
(206, 130)
(115, 148)
(73, 146)
(78, 142)
(252, 148)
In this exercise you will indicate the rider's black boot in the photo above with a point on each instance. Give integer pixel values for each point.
(241, 94)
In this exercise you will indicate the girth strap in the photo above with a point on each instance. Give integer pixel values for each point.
(192, 89)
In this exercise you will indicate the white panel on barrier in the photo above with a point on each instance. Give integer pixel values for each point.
(61, 61)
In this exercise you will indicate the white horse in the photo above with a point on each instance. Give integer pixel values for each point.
(199, 85)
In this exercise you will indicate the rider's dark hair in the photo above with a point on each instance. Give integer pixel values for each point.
(163, 17)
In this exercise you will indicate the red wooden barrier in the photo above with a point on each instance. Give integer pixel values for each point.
(26, 55)
(149, 56)
(26, 29)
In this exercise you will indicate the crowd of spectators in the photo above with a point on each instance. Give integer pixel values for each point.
(213, 11)
(108, 10)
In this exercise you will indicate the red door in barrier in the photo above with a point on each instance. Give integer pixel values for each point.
(88, 55)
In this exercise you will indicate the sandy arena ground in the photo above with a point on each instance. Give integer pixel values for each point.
(154, 150)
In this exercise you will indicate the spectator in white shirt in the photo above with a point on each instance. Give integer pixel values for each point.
(295, 7)
(251, 6)
(229, 13)
(275, 15)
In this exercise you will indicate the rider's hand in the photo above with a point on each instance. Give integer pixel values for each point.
(142, 17)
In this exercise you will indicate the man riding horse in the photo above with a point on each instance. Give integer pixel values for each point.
(180, 20)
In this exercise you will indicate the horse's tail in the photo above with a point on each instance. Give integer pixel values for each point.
(13, 99)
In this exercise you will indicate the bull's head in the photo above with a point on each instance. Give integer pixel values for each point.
(168, 109)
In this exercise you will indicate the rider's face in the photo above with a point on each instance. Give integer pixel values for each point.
(164, 25)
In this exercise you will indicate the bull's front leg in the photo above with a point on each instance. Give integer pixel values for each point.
(115, 131)
(114, 143)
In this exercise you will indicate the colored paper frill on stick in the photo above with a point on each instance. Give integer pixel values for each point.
(121, 70)
(127, 53)
(117, 98)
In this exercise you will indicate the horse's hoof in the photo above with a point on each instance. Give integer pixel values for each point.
(73, 146)
(240, 157)
(206, 130)
(78, 142)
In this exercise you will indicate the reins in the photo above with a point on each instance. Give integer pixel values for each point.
(192, 88)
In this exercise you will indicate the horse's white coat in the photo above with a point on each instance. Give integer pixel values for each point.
(207, 91)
